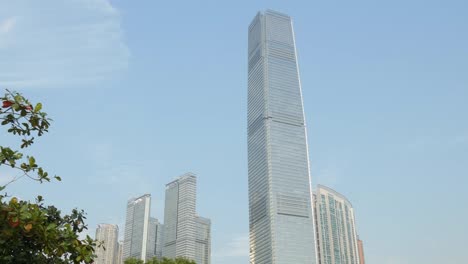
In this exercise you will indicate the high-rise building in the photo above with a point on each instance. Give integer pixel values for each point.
(119, 254)
(280, 211)
(361, 251)
(159, 239)
(137, 228)
(180, 220)
(336, 228)
(179, 216)
(154, 248)
(107, 234)
(203, 240)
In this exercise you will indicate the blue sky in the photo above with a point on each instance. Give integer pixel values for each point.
(143, 91)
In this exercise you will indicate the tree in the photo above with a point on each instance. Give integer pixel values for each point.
(31, 232)
(155, 260)
(133, 261)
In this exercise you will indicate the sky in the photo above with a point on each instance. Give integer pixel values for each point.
(143, 91)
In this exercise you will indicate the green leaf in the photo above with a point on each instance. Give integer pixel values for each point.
(32, 161)
(38, 107)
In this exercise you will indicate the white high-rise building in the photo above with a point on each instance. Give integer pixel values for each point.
(336, 229)
(280, 210)
(108, 253)
(181, 222)
(136, 242)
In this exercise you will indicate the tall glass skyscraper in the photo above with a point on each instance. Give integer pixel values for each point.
(336, 229)
(280, 211)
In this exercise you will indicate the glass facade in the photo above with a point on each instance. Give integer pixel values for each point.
(280, 210)
(336, 231)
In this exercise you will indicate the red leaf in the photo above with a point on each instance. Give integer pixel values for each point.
(7, 104)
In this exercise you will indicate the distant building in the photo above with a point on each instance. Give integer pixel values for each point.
(181, 223)
(159, 239)
(119, 254)
(335, 228)
(179, 216)
(137, 228)
(154, 248)
(203, 241)
(108, 253)
(361, 251)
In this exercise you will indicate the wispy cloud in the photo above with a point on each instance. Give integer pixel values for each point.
(112, 170)
(60, 43)
(7, 25)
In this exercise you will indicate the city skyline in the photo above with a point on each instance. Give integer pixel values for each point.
(183, 234)
(137, 98)
(334, 222)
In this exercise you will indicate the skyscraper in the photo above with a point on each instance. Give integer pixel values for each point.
(203, 240)
(159, 239)
(180, 220)
(179, 217)
(361, 251)
(120, 253)
(107, 234)
(154, 248)
(280, 211)
(137, 228)
(336, 229)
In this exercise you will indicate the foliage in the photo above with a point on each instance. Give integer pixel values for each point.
(35, 233)
(133, 261)
(31, 232)
(155, 260)
(24, 120)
